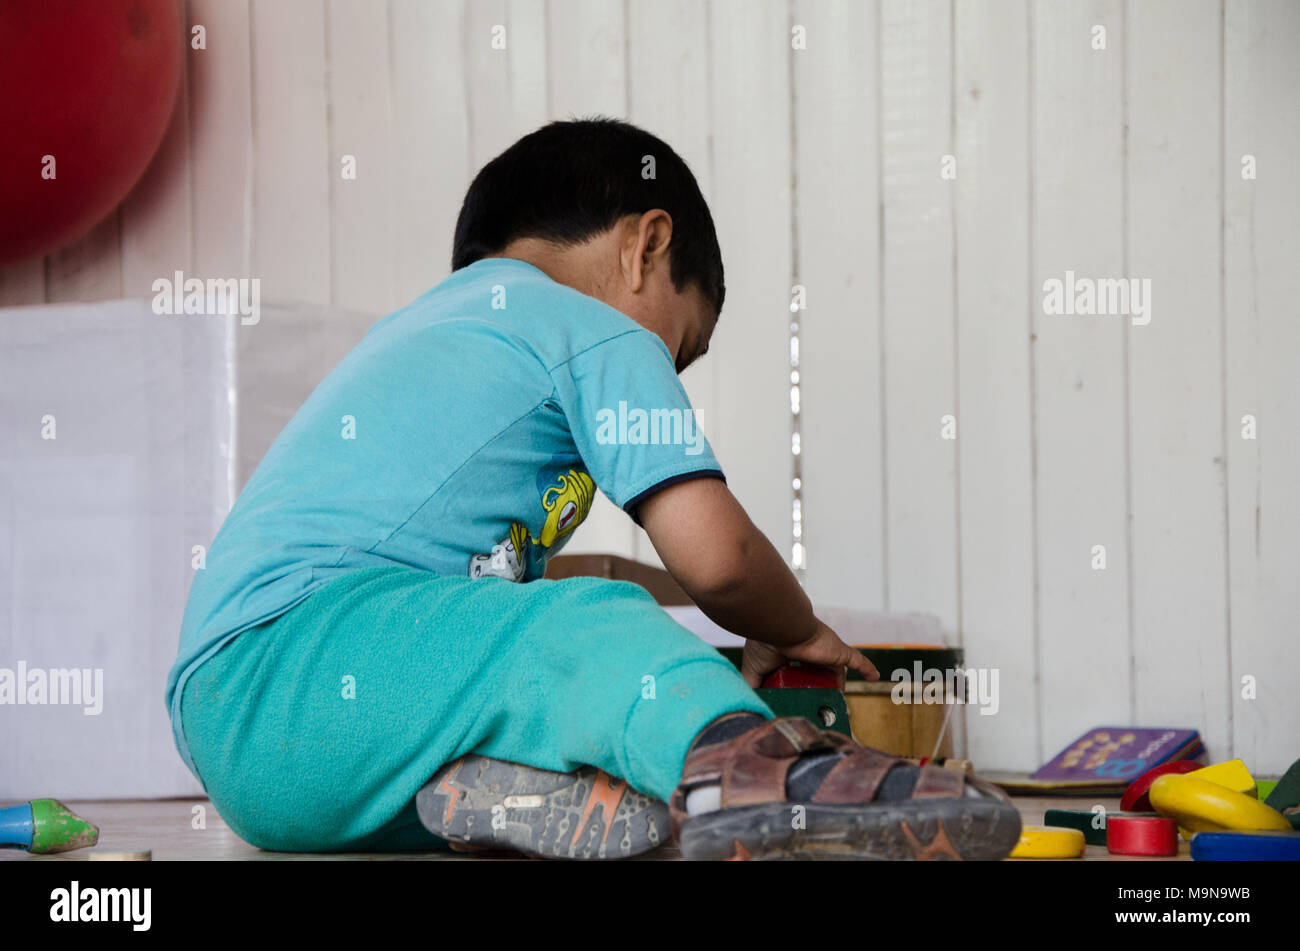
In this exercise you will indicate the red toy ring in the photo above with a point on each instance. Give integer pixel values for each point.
(1135, 797)
(1141, 835)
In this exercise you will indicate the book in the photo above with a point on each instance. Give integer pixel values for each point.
(1104, 761)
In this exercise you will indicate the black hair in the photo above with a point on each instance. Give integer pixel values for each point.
(569, 181)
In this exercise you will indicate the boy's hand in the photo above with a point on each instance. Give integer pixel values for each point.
(824, 648)
(739, 580)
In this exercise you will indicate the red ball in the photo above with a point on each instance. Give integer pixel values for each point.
(91, 83)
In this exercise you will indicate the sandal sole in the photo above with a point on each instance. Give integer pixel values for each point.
(911, 830)
(497, 805)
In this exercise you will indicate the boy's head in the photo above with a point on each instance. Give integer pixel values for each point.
(611, 210)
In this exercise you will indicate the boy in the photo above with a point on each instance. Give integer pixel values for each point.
(371, 659)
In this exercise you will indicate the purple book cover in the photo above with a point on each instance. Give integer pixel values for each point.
(1117, 755)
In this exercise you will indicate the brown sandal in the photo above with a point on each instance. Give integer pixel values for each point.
(925, 812)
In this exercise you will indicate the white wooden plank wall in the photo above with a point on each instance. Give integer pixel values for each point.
(917, 281)
(837, 170)
(360, 125)
(1178, 584)
(751, 204)
(994, 304)
(823, 166)
(1077, 217)
(1261, 286)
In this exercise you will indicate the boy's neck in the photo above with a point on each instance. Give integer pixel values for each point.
(579, 266)
(592, 268)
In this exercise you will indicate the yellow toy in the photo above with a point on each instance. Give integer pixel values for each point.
(1232, 774)
(1202, 806)
(1048, 842)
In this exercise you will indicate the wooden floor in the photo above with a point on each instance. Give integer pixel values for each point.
(163, 827)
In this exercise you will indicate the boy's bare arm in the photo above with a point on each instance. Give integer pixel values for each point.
(715, 552)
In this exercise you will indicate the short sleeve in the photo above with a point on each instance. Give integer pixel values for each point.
(631, 419)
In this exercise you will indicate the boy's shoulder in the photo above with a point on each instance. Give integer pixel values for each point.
(522, 303)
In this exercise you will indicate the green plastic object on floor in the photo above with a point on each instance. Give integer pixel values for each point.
(1286, 791)
(43, 826)
(1080, 819)
(1285, 794)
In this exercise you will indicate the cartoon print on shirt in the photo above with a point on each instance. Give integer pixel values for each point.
(567, 503)
(567, 500)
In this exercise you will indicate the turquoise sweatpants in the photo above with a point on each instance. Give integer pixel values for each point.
(314, 731)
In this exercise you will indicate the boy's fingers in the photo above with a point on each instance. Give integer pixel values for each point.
(754, 667)
(863, 666)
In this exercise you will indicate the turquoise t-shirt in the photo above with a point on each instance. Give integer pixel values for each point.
(465, 435)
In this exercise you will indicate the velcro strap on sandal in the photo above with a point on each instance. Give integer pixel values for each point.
(752, 769)
(935, 782)
(856, 777)
(789, 736)
(759, 777)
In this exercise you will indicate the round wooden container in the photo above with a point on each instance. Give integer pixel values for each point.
(904, 716)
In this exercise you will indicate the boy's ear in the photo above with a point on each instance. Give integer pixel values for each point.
(645, 245)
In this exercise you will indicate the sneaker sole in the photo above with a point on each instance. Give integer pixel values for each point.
(912, 830)
(499, 805)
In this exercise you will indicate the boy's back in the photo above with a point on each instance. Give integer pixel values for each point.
(461, 436)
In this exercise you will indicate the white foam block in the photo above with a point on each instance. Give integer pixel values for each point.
(97, 527)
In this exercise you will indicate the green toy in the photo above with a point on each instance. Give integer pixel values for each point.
(44, 826)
